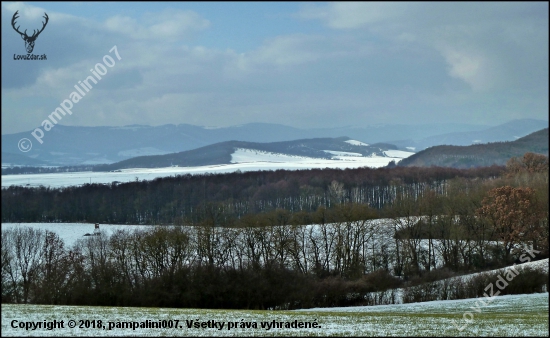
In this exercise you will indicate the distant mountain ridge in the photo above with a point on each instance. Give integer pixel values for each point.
(65, 145)
(480, 154)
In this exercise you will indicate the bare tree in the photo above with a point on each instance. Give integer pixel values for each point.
(24, 246)
(53, 271)
(9, 272)
(336, 192)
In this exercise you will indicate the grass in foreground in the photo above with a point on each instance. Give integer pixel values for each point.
(518, 315)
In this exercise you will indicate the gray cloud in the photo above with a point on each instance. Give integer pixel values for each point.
(377, 63)
(486, 45)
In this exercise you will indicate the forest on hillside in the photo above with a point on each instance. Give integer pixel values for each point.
(224, 199)
(479, 155)
(279, 258)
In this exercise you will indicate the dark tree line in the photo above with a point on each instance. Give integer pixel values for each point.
(225, 198)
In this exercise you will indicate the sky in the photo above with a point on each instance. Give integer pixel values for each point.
(305, 65)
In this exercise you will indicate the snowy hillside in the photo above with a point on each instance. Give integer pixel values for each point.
(398, 153)
(395, 296)
(252, 155)
(357, 143)
(440, 306)
(241, 159)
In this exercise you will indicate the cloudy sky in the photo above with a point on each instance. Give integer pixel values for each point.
(299, 64)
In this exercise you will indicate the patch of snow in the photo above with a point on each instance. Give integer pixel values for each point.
(242, 155)
(540, 265)
(356, 143)
(444, 306)
(398, 153)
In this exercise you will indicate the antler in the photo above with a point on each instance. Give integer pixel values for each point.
(35, 35)
(15, 17)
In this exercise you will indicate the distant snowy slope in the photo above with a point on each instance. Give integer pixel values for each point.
(458, 306)
(541, 265)
(357, 143)
(247, 161)
(242, 155)
(397, 294)
(398, 153)
(247, 152)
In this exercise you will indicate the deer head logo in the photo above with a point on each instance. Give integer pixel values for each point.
(29, 40)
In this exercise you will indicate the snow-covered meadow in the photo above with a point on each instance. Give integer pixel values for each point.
(516, 315)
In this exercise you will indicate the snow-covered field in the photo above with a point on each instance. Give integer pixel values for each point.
(398, 153)
(356, 143)
(517, 315)
(340, 159)
(242, 159)
(242, 155)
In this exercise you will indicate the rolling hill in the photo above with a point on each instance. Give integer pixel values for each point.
(73, 145)
(480, 154)
(226, 152)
